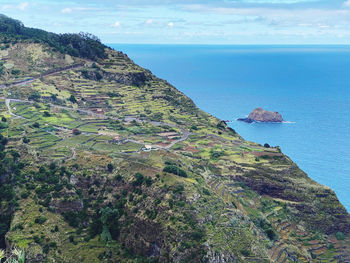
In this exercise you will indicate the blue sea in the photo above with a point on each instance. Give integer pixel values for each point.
(308, 85)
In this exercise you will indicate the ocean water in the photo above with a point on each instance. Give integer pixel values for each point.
(308, 85)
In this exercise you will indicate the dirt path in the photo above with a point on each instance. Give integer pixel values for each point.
(184, 133)
(30, 80)
(7, 102)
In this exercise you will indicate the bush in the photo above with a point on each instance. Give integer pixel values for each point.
(110, 167)
(3, 125)
(175, 170)
(15, 71)
(34, 96)
(37, 240)
(76, 131)
(72, 99)
(216, 154)
(179, 189)
(340, 236)
(266, 145)
(40, 220)
(138, 179)
(148, 181)
(221, 125)
(118, 177)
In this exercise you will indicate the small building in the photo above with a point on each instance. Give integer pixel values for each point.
(99, 111)
(147, 148)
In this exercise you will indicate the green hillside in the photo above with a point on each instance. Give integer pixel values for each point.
(101, 161)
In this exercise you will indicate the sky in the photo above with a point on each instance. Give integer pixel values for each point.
(191, 21)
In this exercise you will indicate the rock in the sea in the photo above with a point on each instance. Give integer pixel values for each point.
(261, 115)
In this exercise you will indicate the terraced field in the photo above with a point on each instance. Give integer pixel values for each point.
(115, 134)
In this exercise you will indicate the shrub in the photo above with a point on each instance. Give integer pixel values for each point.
(98, 76)
(175, 170)
(266, 145)
(216, 154)
(110, 167)
(138, 179)
(15, 71)
(148, 181)
(179, 189)
(46, 114)
(25, 194)
(37, 240)
(340, 236)
(118, 177)
(72, 99)
(151, 214)
(221, 125)
(40, 220)
(245, 252)
(76, 131)
(34, 96)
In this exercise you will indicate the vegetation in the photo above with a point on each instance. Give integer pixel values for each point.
(15, 256)
(79, 45)
(174, 170)
(128, 169)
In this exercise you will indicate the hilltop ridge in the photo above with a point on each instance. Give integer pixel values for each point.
(101, 161)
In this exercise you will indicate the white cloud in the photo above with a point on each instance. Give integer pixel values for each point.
(116, 24)
(20, 6)
(347, 3)
(23, 6)
(149, 21)
(171, 24)
(67, 10)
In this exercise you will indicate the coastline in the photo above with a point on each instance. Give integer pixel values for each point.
(303, 142)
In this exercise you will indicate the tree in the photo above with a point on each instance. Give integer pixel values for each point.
(110, 167)
(72, 99)
(340, 236)
(266, 145)
(175, 170)
(34, 96)
(76, 131)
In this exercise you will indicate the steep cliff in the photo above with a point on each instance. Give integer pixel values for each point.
(108, 163)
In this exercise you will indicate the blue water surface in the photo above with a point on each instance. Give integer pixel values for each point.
(308, 85)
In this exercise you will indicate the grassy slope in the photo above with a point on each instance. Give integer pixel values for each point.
(240, 201)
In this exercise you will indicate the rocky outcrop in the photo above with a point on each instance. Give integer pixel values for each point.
(261, 115)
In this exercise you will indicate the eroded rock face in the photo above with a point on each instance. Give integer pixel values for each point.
(261, 115)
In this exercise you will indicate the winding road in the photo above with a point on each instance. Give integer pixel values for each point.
(32, 79)
(184, 133)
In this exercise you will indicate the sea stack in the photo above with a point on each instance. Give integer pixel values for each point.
(261, 115)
